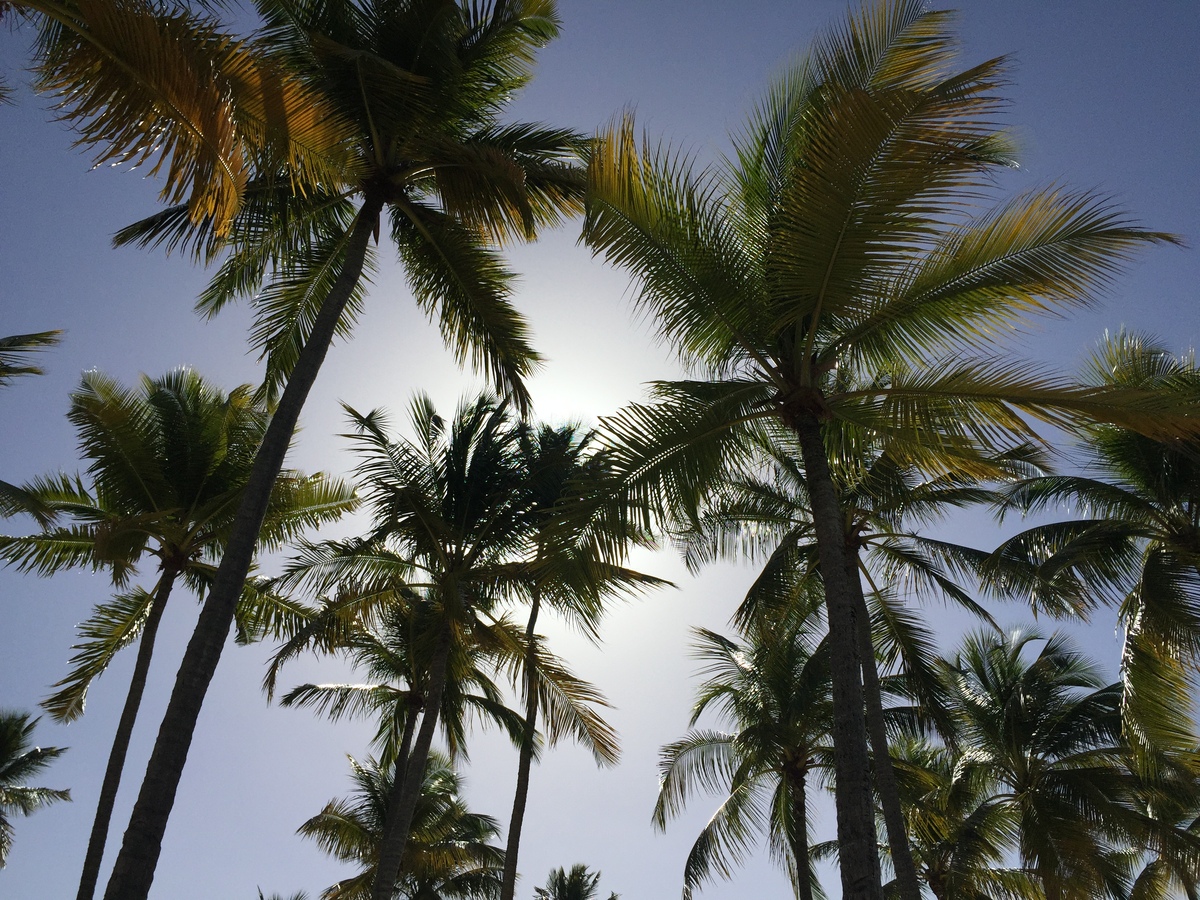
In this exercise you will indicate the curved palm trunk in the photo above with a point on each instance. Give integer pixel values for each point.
(508, 885)
(120, 746)
(857, 847)
(134, 869)
(885, 776)
(399, 818)
(798, 788)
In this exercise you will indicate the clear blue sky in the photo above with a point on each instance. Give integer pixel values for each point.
(1104, 96)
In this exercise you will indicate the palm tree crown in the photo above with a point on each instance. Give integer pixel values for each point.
(449, 855)
(836, 269)
(774, 689)
(169, 463)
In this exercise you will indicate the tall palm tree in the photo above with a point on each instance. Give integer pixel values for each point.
(570, 572)
(1136, 545)
(774, 689)
(169, 462)
(18, 762)
(766, 512)
(448, 504)
(449, 853)
(422, 86)
(838, 248)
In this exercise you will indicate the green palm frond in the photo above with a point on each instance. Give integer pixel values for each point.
(112, 627)
(264, 613)
(569, 705)
(287, 307)
(702, 760)
(458, 279)
(15, 349)
(55, 549)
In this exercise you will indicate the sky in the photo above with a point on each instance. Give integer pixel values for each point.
(1103, 96)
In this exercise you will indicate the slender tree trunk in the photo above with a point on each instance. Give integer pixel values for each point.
(399, 818)
(857, 846)
(508, 885)
(885, 776)
(134, 869)
(796, 782)
(120, 746)
(400, 769)
(402, 752)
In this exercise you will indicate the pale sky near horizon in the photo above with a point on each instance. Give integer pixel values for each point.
(1104, 96)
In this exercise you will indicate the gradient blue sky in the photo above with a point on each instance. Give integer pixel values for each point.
(1104, 96)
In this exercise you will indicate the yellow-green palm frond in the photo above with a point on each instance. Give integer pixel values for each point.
(649, 211)
(1039, 252)
(901, 44)
(1157, 709)
(144, 84)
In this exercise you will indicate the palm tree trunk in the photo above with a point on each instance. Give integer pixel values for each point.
(400, 767)
(857, 846)
(797, 787)
(120, 747)
(134, 869)
(885, 776)
(399, 818)
(395, 797)
(508, 885)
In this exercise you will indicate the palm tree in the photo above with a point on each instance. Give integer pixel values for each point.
(1136, 547)
(422, 87)
(391, 647)
(775, 690)
(395, 654)
(449, 506)
(962, 835)
(169, 463)
(449, 852)
(571, 572)
(837, 249)
(577, 884)
(1045, 733)
(765, 512)
(18, 762)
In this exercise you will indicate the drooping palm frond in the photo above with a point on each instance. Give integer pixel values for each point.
(15, 349)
